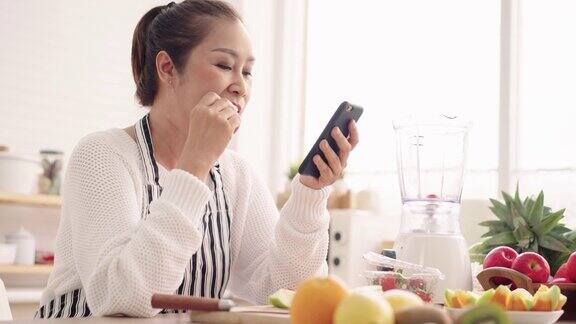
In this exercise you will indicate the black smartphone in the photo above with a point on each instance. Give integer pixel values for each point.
(341, 118)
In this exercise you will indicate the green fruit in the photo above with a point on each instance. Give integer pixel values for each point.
(484, 314)
(486, 297)
(282, 298)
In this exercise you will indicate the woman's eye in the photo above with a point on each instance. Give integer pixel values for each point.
(224, 67)
(247, 73)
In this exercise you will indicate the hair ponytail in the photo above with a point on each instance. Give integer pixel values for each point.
(139, 42)
(176, 29)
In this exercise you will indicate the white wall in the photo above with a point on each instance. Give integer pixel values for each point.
(65, 72)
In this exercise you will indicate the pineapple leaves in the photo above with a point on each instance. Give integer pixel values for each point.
(494, 227)
(523, 235)
(501, 211)
(503, 238)
(571, 236)
(551, 243)
(536, 209)
(548, 223)
(526, 224)
(566, 241)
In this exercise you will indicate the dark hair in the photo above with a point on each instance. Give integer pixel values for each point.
(176, 29)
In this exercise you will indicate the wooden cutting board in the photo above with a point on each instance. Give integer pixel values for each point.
(243, 315)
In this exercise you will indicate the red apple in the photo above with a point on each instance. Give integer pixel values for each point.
(571, 267)
(562, 272)
(532, 265)
(502, 256)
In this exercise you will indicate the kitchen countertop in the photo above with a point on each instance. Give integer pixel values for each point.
(203, 317)
(167, 319)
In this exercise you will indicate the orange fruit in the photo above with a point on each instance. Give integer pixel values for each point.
(316, 299)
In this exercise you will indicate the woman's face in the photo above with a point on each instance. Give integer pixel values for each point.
(221, 63)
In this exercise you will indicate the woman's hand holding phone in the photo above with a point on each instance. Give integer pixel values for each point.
(331, 171)
(212, 123)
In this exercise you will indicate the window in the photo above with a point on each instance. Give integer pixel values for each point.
(546, 157)
(406, 57)
(433, 57)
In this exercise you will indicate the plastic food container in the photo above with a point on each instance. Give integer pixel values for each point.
(421, 284)
(416, 278)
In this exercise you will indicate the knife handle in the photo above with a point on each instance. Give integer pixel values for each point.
(190, 303)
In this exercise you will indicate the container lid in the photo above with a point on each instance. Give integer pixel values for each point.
(51, 152)
(446, 121)
(408, 268)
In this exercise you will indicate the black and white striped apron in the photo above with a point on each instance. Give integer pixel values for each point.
(208, 271)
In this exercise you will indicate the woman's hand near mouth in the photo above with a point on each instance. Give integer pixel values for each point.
(331, 171)
(212, 123)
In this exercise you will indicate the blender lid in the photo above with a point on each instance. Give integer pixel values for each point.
(446, 121)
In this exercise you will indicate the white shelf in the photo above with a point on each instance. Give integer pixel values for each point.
(36, 269)
(30, 200)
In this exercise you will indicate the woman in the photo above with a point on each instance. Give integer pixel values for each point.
(162, 206)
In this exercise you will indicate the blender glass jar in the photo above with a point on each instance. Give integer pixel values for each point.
(430, 153)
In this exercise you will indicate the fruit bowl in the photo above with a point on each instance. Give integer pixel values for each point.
(517, 317)
(487, 278)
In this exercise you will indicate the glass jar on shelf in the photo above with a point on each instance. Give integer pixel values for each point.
(51, 177)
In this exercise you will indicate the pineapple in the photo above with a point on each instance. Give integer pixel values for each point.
(526, 225)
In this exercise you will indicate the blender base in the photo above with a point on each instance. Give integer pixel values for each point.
(446, 252)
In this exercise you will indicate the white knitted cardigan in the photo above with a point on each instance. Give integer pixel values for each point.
(119, 259)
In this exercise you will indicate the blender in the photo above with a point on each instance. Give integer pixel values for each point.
(430, 156)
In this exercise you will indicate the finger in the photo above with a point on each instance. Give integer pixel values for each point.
(354, 137)
(235, 122)
(228, 112)
(325, 171)
(221, 104)
(209, 99)
(343, 145)
(333, 160)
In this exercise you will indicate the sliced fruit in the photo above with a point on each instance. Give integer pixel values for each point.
(388, 283)
(461, 298)
(502, 296)
(484, 314)
(448, 296)
(282, 298)
(546, 299)
(521, 300)
(486, 297)
(561, 302)
(416, 284)
(425, 296)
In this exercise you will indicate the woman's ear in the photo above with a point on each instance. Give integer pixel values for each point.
(165, 69)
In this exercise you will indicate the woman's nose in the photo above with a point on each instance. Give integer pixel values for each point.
(238, 88)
